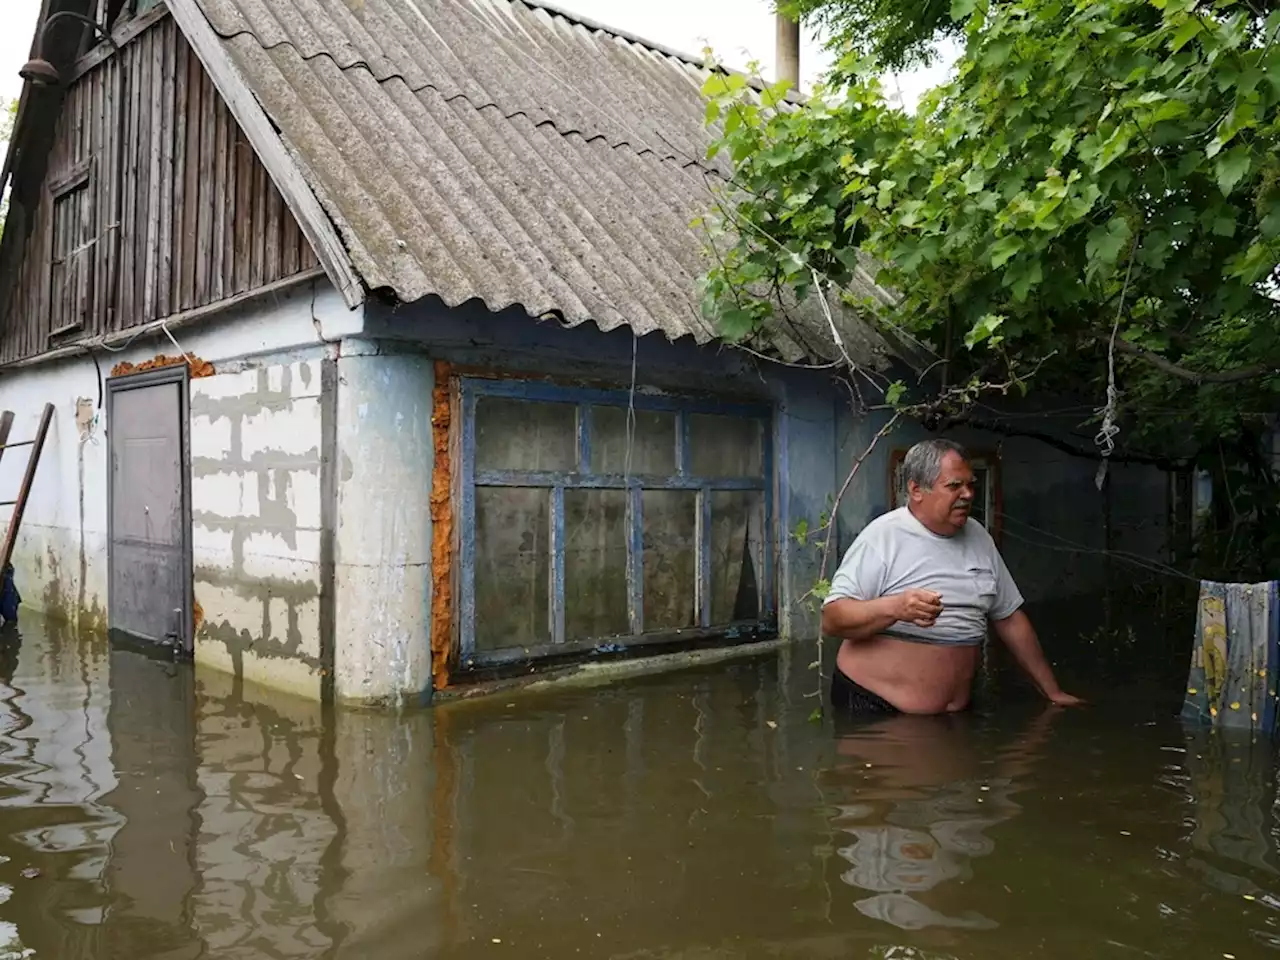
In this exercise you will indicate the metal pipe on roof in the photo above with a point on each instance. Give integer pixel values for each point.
(787, 49)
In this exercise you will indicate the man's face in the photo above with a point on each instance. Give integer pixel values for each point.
(944, 507)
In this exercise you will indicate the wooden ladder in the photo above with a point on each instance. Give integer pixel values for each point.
(28, 478)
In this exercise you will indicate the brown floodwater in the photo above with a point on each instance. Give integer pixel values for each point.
(147, 813)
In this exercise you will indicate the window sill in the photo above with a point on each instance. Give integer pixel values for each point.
(592, 674)
(490, 665)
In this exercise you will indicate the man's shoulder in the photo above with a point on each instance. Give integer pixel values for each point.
(883, 526)
(975, 530)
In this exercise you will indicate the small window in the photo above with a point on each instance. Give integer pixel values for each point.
(72, 249)
(986, 501)
(115, 12)
(597, 520)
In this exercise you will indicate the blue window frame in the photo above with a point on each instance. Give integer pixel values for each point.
(592, 520)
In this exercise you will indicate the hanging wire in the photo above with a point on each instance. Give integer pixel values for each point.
(631, 411)
(1065, 545)
(191, 361)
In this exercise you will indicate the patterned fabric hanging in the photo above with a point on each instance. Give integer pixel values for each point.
(1236, 658)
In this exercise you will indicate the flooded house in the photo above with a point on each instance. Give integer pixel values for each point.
(373, 338)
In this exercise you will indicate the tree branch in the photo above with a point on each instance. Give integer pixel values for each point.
(1195, 376)
(1004, 430)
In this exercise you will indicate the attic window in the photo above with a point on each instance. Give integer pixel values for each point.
(71, 255)
(113, 12)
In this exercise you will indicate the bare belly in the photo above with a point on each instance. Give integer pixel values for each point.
(914, 677)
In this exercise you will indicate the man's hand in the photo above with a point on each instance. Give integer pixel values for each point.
(920, 607)
(1020, 637)
(852, 619)
(1061, 699)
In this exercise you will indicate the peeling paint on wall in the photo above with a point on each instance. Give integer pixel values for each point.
(441, 529)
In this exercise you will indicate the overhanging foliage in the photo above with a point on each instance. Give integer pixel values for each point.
(1098, 173)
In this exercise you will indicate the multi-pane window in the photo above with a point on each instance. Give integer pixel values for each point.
(594, 519)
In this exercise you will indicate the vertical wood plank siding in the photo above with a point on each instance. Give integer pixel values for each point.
(196, 218)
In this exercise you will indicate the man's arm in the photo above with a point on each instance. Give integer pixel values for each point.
(1020, 637)
(851, 619)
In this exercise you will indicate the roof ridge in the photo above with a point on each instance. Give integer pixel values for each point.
(592, 24)
(756, 83)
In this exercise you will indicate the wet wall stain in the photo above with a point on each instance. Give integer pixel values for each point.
(84, 426)
(54, 599)
(85, 614)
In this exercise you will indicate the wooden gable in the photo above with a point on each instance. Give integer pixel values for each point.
(152, 203)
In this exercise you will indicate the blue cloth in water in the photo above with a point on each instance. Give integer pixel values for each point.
(1235, 662)
(9, 597)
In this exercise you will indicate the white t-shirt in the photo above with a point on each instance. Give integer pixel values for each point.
(896, 552)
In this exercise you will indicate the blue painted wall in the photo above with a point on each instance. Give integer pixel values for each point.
(1053, 532)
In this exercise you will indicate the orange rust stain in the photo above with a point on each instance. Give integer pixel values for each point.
(199, 368)
(441, 529)
(197, 615)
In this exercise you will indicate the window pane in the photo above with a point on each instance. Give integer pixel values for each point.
(737, 519)
(726, 446)
(595, 564)
(523, 435)
(653, 441)
(670, 559)
(513, 567)
(981, 485)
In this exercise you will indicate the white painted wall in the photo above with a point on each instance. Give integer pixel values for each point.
(383, 536)
(61, 556)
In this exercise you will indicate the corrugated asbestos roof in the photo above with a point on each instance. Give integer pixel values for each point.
(493, 150)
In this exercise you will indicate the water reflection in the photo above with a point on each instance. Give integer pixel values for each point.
(147, 813)
(152, 872)
(926, 794)
(1231, 778)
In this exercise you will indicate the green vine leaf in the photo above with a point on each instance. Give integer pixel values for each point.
(983, 330)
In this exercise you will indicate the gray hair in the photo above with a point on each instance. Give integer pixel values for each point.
(923, 462)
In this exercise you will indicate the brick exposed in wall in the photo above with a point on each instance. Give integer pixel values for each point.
(257, 464)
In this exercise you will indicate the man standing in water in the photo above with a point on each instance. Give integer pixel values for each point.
(913, 596)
